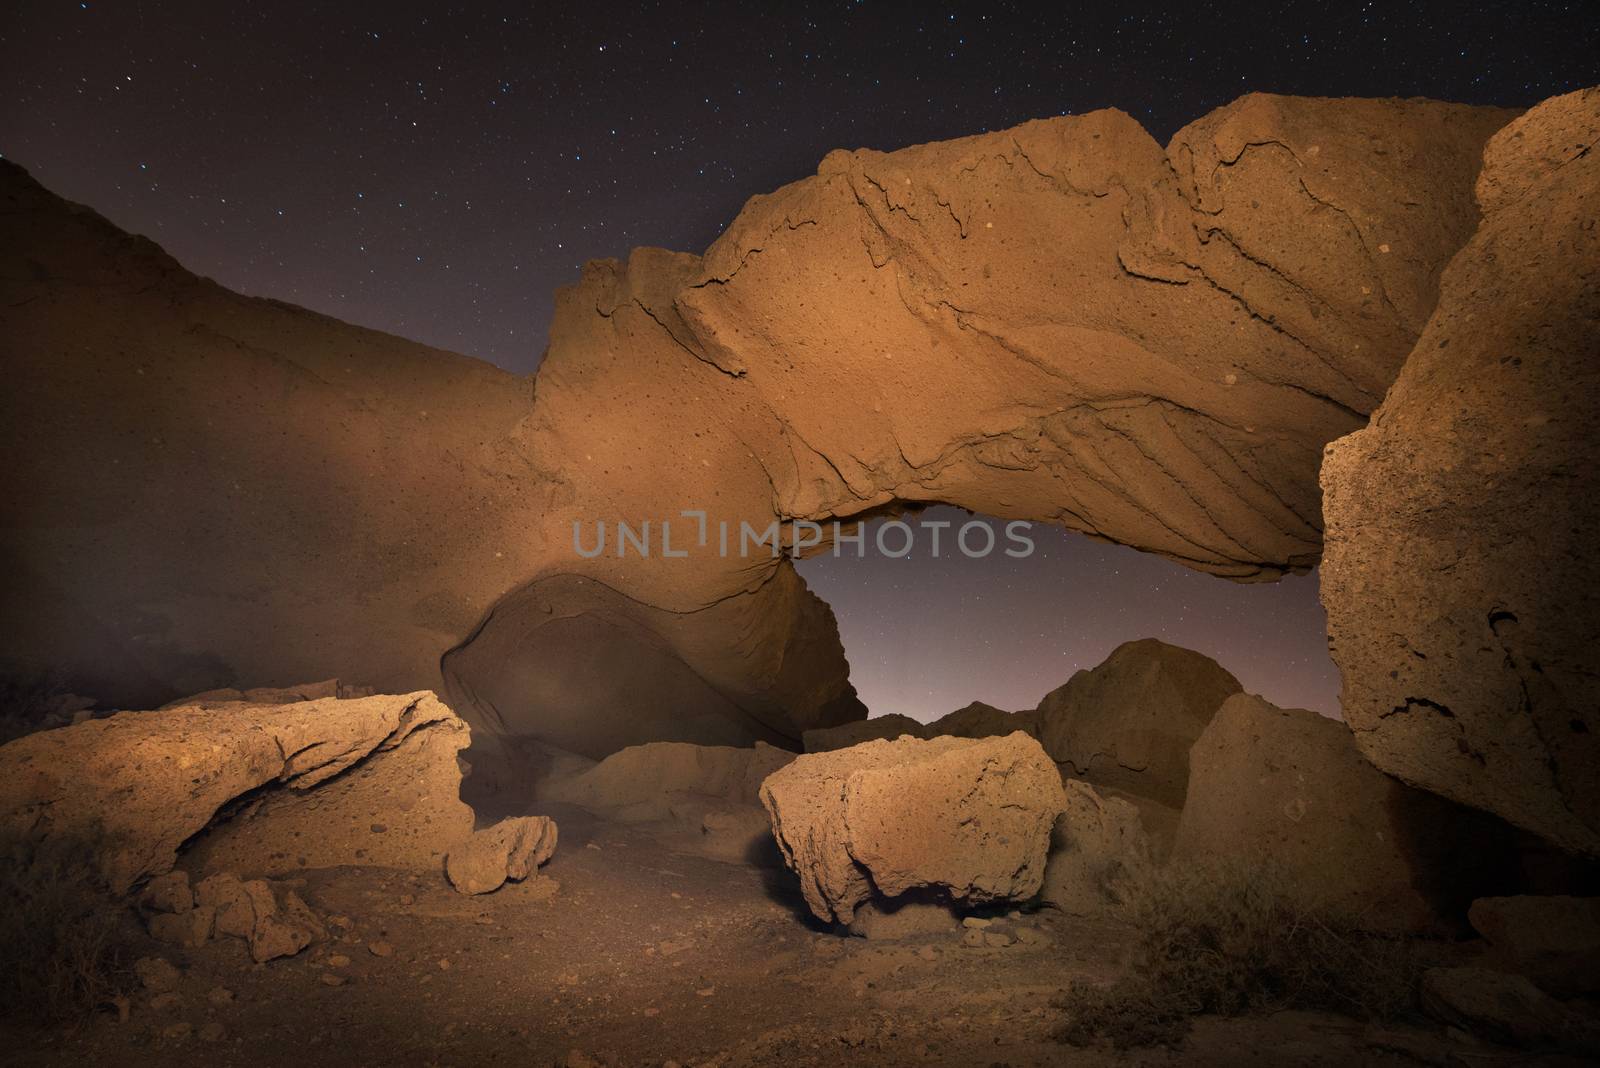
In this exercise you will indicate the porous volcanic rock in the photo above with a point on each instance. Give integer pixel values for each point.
(1288, 787)
(1097, 843)
(1460, 579)
(137, 786)
(967, 818)
(509, 851)
(275, 922)
(1553, 940)
(1061, 322)
(1130, 721)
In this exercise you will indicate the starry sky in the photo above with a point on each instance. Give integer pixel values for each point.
(436, 170)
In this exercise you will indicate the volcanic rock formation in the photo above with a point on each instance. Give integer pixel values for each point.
(1059, 322)
(1287, 786)
(1131, 721)
(372, 780)
(1460, 578)
(967, 819)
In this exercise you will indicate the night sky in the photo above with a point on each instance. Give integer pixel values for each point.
(437, 170)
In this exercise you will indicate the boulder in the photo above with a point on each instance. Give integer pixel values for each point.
(1459, 576)
(1129, 723)
(691, 798)
(968, 819)
(1096, 844)
(886, 728)
(648, 778)
(1507, 1009)
(315, 779)
(509, 851)
(1289, 786)
(191, 929)
(1555, 940)
(169, 893)
(275, 923)
(979, 720)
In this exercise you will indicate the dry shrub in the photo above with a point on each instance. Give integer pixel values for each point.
(63, 940)
(1229, 938)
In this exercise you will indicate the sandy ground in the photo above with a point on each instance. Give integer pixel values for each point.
(644, 956)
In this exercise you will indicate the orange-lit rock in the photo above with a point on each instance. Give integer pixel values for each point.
(1460, 579)
(320, 777)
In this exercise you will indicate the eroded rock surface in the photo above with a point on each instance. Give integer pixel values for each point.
(967, 818)
(1062, 322)
(137, 786)
(275, 922)
(1096, 844)
(1554, 940)
(980, 720)
(698, 798)
(1460, 580)
(509, 851)
(1288, 787)
(1131, 721)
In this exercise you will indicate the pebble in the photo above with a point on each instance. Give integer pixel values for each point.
(219, 995)
(380, 949)
(975, 923)
(177, 1031)
(338, 960)
(330, 979)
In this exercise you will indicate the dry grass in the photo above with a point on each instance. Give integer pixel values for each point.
(1229, 939)
(63, 940)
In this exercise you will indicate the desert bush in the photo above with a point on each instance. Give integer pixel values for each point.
(1231, 938)
(63, 940)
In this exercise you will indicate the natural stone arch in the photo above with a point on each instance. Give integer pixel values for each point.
(1060, 322)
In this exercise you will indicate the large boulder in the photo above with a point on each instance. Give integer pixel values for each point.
(1289, 787)
(372, 780)
(1098, 843)
(1130, 721)
(702, 799)
(1460, 579)
(1554, 940)
(969, 819)
(1507, 1009)
(980, 720)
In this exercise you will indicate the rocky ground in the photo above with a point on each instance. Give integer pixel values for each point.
(623, 952)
